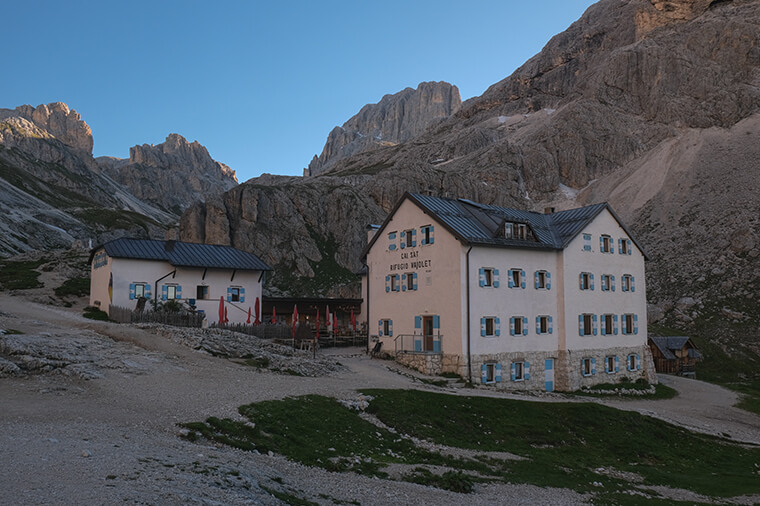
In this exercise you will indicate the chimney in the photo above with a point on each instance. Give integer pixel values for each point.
(548, 210)
(371, 231)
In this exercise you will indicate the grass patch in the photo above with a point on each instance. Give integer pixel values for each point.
(287, 497)
(74, 287)
(750, 395)
(94, 313)
(562, 444)
(12, 332)
(20, 275)
(257, 362)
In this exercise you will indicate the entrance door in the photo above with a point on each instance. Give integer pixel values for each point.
(427, 333)
(549, 375)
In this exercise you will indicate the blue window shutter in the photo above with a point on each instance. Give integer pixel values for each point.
(403, 282)
(587, 242)
(482, 277)
(604, 326)
(512, 371)
(548, 280)
(497, 326)
(178, 293)
(593, 367)
(496, 278)
(538, 324)
(483, 327)
(131, 291)
(526, 368)
(525, 325)
(414, 281)
(604, 288)
(535, 280)
(392, 247)
(431, 234)
(390, 328)
(580, 281)
(620, 244)
(511, 282)
(387, 284)
(612, 282)
(593, 317)
(436, 345)
(380, 328)
(418, 344)
(635, 324)
(497, 375)
(629, 246)
(229, 294)
(601, 243)
(633, 285)
(522, 279)
(615, 324)
(436, 322)
(418, 322)
(403, 239)
(242, 295)
(591, 280)
(550, 324)
(638, 362)
(147, 291)
(483, 374)
(414, 237)
(512, 326)
(164, 292)
(617, 364)
(580, 324)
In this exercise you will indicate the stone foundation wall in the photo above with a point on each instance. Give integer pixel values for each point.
(575, 379)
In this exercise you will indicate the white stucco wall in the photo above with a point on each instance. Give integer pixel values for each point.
(128, 271)
(577, 301)
(505, 302)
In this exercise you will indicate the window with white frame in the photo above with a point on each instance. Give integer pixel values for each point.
(521, 231)
(543, 324)
(427, 234)
(516, 278)
(394, 283)
(139, 290)
(490, 326)
(385, 328)
(624, 245)
(608, 283)
(490, 372)
(586, 281)
(542, 280)
(588, 367)
(408, 236)
(201, 292)
(411, 278)
(587, 322)
(629, 323)
(608, 324)
(234, 294)
(487, 276)
(518, 326)
(610, 364)
(605, 244)
(627, 283)
(171, 292)
(519, 371)
(632, 362)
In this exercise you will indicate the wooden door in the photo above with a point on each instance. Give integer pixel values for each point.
(427, 332)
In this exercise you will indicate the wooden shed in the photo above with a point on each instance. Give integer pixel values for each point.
(674, 355)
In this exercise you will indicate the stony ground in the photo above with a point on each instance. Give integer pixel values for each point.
(89, 413)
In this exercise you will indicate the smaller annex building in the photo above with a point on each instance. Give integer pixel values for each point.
(516, 299)
(124, 270)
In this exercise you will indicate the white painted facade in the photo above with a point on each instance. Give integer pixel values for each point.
(160, 281)
(458, 306)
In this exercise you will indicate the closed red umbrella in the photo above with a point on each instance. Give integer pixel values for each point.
(327, 318)
(249, 315)
(257, 312)
(295, 319)
(274, 315)
(221, 309)
(226, 320)
(335, 322)
(317, 324)
(353, 320)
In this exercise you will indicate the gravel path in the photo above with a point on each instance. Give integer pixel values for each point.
(65, 439)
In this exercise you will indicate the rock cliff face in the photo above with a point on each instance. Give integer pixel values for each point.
(171, 175)
(396, 118)
(653, 106)
(55, 120)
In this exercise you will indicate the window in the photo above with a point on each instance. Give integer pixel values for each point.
(515, 231)
(411, 281)
(627, 283)
(624, 246)
(519, 375)
(609, 324)
(201, 292)
(508, 230)
(611, 364)
(489, 277)
(605, 244)
(394, 283)
(630, 324)
(427, 234)
(633, 362)
(543, 324)
(234, 294)
(542, 280)
(490, 326)
(516, 278)
(587, 324)
(521, 231)
(490, 372)
(137, 290)
(385, 328)
(518, 326)
(408, 238)
(392, 241)
(171, 292)
(608, 283)
(586, 281)
(586, 242)
(520, 371)
(588, 367)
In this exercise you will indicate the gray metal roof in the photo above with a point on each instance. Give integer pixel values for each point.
(478, 223)
(184, 254)
(668, 344)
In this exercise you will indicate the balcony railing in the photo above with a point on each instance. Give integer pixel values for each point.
(417, 343)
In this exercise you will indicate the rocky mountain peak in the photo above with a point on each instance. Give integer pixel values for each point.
(58, 121)
(396, 118)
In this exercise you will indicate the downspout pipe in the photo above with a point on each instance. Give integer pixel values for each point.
(367, 305)
(155, 288)
(469, 354)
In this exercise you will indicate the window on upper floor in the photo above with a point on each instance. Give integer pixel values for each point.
(624, 246)
(587, 323)
(586, 281)
(630, 324)
(609, 324)
(395, 283)
(512, 230)
(627, 283)
(411, 281)
(409, 237)
(516, 278)
(518, 326)
(586, 242)
(427, 234)
(543, 324)
(608, 283)
(392, 241)
(605, 244)
(201, 292)
(542, 280)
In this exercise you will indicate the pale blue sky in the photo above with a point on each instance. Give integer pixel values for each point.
(260, 84)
